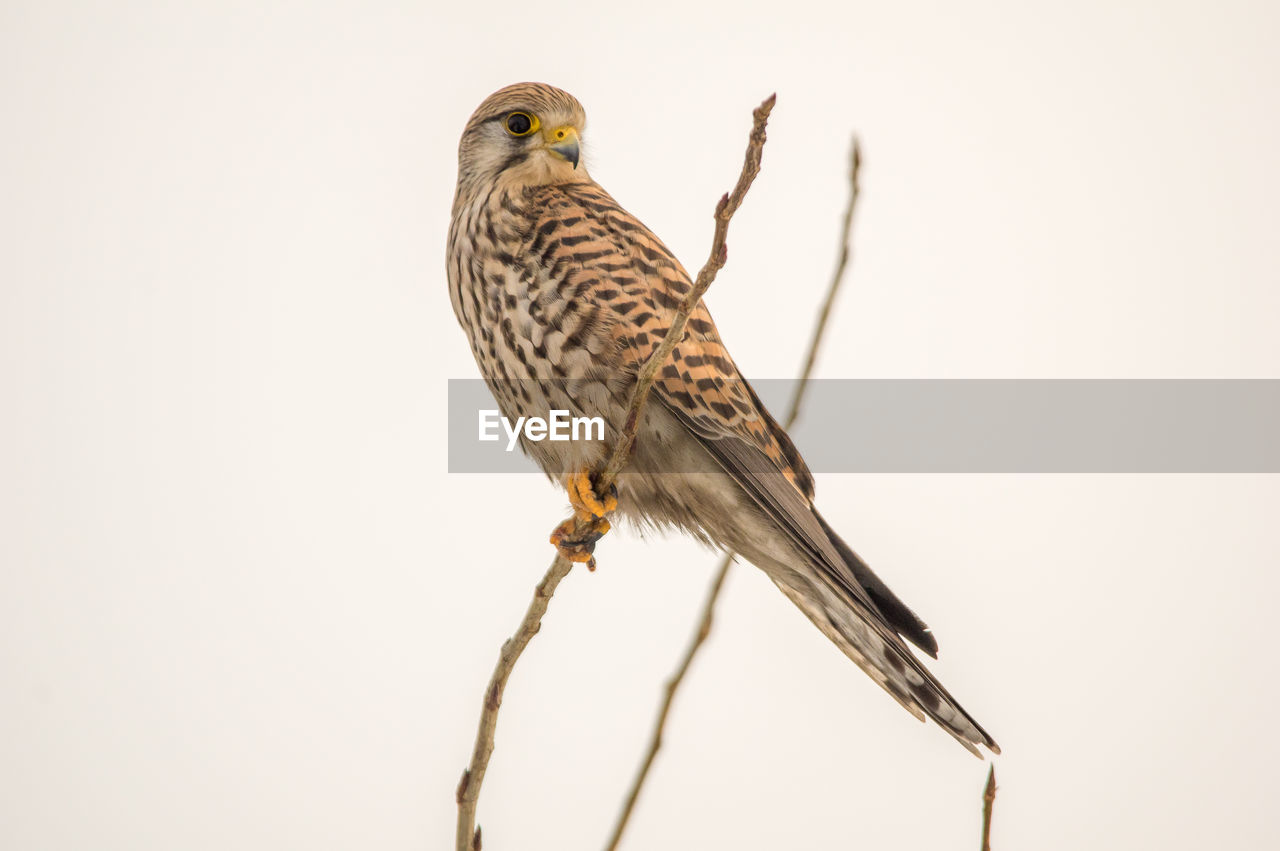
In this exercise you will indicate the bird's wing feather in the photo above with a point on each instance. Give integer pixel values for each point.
(834, 600)
(629, 272)
(622, 267)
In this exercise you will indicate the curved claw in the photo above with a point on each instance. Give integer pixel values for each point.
(582, 495)
(579, 546)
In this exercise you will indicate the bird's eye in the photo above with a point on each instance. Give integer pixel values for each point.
(521, 124)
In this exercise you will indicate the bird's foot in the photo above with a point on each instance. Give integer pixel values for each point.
(578, 544)
(576, 537)
(587, 504)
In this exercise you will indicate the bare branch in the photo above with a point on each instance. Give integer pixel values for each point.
(713, 593)
(715, 262)
(837, 278)
(988, 802)
(468, 836)
(673, 684)
(468, 794)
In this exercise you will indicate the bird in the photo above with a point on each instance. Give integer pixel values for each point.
(563, 295)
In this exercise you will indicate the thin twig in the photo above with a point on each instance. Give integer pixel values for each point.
(988, 801)
(837, 278)
(715, 262)
(713, 593)
(468, 794)
(655, 743)
(468, 836)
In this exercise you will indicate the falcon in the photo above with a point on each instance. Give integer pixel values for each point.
(563, 295)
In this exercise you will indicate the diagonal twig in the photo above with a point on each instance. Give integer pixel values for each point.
(837, 278)
(468, 836)
(673, 684)
(715, 262)
(713, 593)
(468, 793)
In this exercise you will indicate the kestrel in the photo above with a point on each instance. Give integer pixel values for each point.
(563, 294)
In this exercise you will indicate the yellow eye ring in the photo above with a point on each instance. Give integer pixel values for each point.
(521, 124)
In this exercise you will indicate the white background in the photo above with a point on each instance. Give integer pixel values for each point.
(242, 604)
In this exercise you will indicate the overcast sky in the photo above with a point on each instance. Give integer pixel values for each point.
(244, 605)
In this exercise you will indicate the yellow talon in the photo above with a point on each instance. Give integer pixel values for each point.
(562, 536)
(578, 546)
(576, 537)
(582, 496)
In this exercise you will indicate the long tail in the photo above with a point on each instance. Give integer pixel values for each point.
(870, 637)
(904, 621)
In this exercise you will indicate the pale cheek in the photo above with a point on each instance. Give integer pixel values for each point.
(490, 160)
(538, 169)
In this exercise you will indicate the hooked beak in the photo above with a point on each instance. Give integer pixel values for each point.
(564, 143)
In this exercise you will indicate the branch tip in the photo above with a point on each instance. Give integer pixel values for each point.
(988, 803)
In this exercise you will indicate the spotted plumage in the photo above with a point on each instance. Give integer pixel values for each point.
(563, 295)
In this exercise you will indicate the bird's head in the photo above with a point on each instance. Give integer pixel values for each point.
(528, 134)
